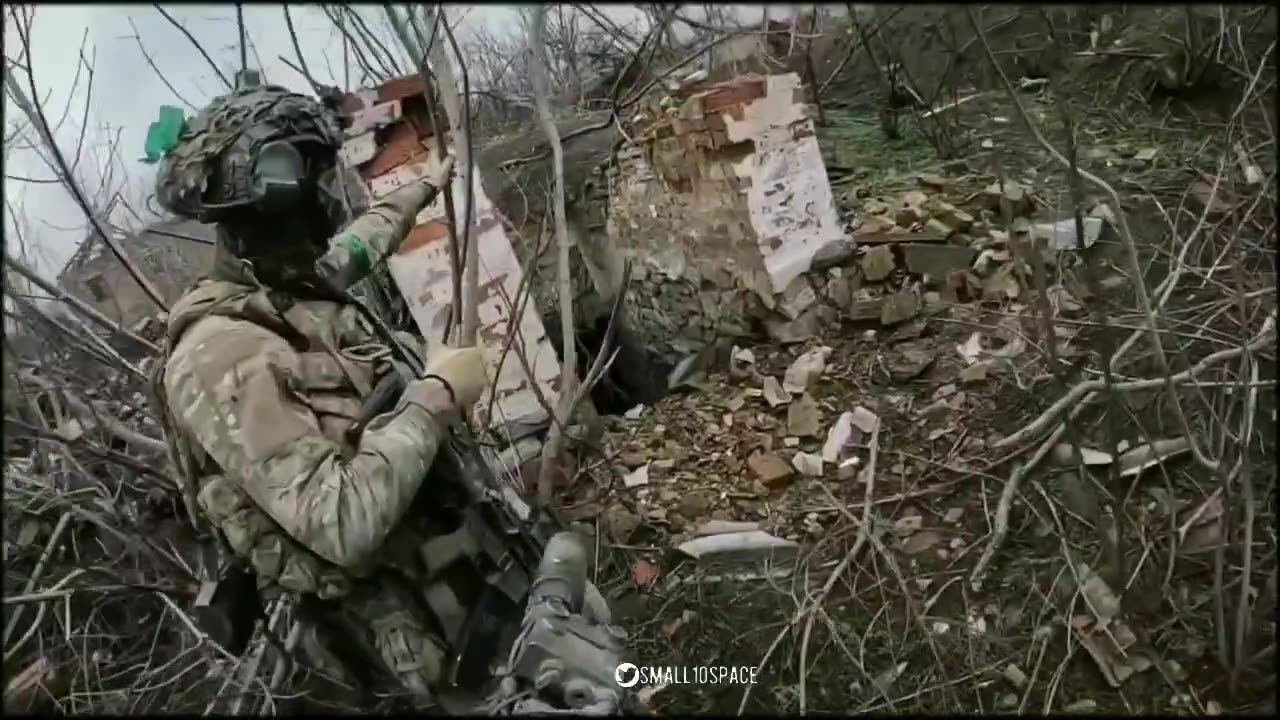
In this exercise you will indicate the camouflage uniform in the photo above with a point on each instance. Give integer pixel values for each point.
(260, 388)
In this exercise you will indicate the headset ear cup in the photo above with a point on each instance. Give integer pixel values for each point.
(278, 175)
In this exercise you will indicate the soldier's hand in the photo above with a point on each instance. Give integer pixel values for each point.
(463, 369)
(439, 174)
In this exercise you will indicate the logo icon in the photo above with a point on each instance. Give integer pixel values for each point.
(627, 674)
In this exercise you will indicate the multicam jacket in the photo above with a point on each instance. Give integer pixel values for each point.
(260, 390)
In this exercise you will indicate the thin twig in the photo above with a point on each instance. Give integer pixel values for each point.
(196, 43)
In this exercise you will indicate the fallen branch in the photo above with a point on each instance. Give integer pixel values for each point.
(569, 350)
(806, 612)
(1073, 397)
(76, 303)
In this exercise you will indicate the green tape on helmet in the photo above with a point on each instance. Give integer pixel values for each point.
(163, 134)
(361, 255)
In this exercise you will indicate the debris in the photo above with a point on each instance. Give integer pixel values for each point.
(939, 227)
(920, 542)
(1001, 285)
(736, 402)
(773, 392)
(634, 413)
(884, 681)
(987, 144)
(742, 363)
(953, 515)
(1061, 235)
(877, 263)
(899, 307)
(1063, 455)
(620, 522)
(838, 437)
(1149, 455)
(975, 373)
(908, 216)
(1100, 599)
(1081, 706)
(908, 524)
(797, 297)
(1063, 301)
(638, 477)
(1007, 701)
(909, 364)
(971, 349)
(805, 369)
(791, 441)
(770, 469)
(1146, 154)
(950, 215)
(720, 527)
(936, 182)
(643, 573)
(1203, 191)
(731, 547)
(864, 420)
(807, 464)
(848, 468)
(936, 260)
(804, 419)
(940, 627)
(1015, 676)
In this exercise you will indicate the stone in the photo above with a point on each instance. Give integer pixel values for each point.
(864, 420)
(910, 364)
(839, 292)
(950, 215)
(848, 468)
(694, 505)
(790, 332)
(804, 419)
(637, 478)
(838, 437)
(1001, 285)
(976, 372)
(797, 297)
(807, 464)
(908, 215)
(936, 182)
(752, 546)
(773, 392)
(1061, 235)
(899, 307)
(620, 523)
(720, 527)
(770, 469)
(837, 252)
(935, 259)
(806, 368)
(865, 306)
(939, 227)
(1015, 676)
(953, 515)
(742, 363)
(877, 263)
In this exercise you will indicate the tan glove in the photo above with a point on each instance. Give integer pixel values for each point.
(439, 173)
(462, 368)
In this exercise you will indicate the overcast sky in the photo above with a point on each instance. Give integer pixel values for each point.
(127, 93)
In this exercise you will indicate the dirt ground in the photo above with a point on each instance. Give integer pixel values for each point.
(903, 629)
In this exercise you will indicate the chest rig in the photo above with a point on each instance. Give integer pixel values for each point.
(459, 553)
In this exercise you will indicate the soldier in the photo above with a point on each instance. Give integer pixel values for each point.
(268, 362)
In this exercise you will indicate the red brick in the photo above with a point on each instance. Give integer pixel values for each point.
(401, 87)
(423, 234)
(736, 93)
(401, 146)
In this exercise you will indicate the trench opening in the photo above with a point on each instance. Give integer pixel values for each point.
(636, 376)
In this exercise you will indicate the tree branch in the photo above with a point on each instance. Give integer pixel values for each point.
(196, 43)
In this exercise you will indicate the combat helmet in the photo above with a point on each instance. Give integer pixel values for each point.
(245, 150)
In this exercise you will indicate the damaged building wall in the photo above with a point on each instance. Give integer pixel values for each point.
(388, 142)
(722, 202)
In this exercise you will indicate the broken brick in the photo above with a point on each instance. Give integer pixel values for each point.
(770, 469)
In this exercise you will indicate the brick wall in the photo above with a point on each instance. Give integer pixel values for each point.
(722, 202)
